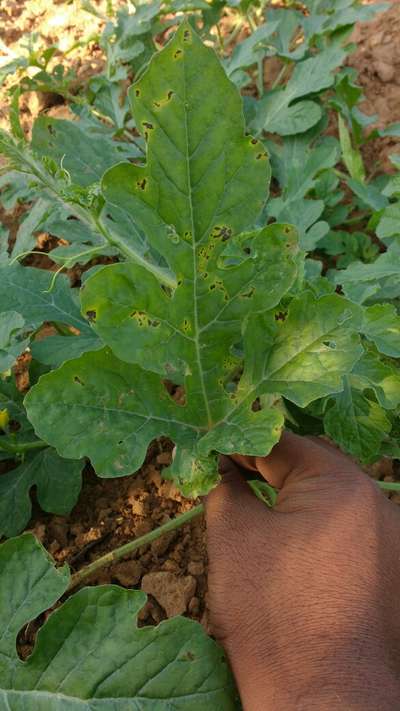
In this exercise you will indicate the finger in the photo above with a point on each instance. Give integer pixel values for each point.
(231, 503)
(245, 461)
(300, 457)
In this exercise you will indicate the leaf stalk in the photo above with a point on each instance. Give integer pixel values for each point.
(132, 546)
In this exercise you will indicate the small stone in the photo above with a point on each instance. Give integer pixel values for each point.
(194, 606)
(384, 71)
(196, 568)
(172, 592)
(127, 573)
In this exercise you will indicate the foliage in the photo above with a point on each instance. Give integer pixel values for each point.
(263, 312)
(192, 200)
(102, 658)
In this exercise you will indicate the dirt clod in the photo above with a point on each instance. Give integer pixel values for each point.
(172, 592)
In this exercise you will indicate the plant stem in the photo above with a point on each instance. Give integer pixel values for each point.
(231, 38)
(389, 485)
(280, 76)
(123, 550)
(23, 447)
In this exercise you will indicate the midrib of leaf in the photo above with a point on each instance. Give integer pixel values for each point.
(194, 260)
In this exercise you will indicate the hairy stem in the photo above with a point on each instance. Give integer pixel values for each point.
(22, 447)
(123, 550)
(389, 485)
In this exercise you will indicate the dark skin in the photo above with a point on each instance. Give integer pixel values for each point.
(305, 598)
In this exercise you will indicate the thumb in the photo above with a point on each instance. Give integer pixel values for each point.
(230, 504)
(296, 458)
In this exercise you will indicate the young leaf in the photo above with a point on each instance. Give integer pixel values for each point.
(58, 483)
(204, 182)
(352, 157)
(26, 289)
(382, 326)
(378, 281)
(277, 114)
(91, 655)
(76, 148)
(357, 424)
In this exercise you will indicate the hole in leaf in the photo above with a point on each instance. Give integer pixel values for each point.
(254, 141)
(177, 53)
(51, 129)
(110, 217)
(78, 380)
(91, 315)
(330, 344)
(248, 294)
(280, 315)
(223, 232)
(256, 405)
(176, 392)
(261, 155)
(247, 250)
(186, 325)
(186, 35)
(137, 92)
(142, 184)
(170, 95)
(148, 125)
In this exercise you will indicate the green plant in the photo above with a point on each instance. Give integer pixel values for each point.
(261, 313)
(192, 201)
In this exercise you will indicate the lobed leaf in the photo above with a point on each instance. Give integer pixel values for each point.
(90, 655)
(58, 483)
(227, 329)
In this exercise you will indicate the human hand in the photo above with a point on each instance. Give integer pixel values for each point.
(305, 598)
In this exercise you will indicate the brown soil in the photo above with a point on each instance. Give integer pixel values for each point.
(377, 62)
(111, 512)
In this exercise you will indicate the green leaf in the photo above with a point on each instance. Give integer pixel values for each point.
(90, 654)
(12, 343)
(351, 156)
(219, 332)
(143, 325)
(383, 378)
(277, 114)
(357, 424)
(251, 49)
(55, 350)
(58, 483)
(304, 214)
(313, 344)
(382, 326)
(370, 195)
(76, 148)
(378, 281)
(299, 161)
(274, 115)
(26, 238)
(389, 224)
(26, 289)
